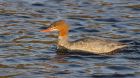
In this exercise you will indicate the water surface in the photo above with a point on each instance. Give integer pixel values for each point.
(27, 53)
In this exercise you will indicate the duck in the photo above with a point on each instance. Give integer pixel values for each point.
(93, 45)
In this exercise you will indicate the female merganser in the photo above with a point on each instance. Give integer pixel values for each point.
(89, 45)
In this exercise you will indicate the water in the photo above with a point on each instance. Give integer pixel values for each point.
(27, 53)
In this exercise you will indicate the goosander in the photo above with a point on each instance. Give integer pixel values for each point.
(88, 45)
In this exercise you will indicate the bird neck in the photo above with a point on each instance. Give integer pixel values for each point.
(63, 37)
(63, 34)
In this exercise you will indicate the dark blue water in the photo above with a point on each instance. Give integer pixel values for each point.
(27, 53)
